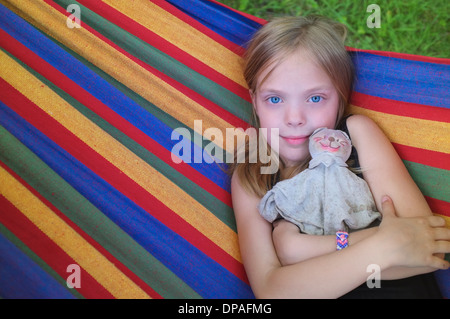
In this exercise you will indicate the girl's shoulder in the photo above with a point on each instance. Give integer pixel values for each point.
(359, 128)
(356, 126)
(353, 123)
(240, 192)
(358, 123)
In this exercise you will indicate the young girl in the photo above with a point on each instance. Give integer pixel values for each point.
(300, 78)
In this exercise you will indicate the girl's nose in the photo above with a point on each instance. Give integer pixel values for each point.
(294, 116)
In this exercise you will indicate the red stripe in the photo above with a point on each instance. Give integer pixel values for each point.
(118, 264)
(47, 249)
(52, 74)
(425, 112)
(438, 206)
(198, 98)
(115, 177)
(405, 56)
(423, 156)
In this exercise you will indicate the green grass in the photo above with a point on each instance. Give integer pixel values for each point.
(415, 26)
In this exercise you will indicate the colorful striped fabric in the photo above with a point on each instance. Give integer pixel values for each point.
(94, 203)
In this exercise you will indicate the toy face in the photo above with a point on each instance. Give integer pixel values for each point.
(332, 141)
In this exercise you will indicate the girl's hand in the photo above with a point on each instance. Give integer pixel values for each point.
(415, 241)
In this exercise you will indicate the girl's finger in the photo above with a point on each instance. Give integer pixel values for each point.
(436, 221)
(442, 247)
(442, 234)
(387, 206)
(439, 263)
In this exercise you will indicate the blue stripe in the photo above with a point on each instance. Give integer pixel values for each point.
(22, 278)
(204, 275)
(402, 80)
(443, 279)
(101, 89)
(228, 23)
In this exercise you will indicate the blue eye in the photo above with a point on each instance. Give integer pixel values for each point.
(316, 99)
(274, 99)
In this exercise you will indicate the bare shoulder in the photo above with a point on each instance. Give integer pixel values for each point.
(240, 195)
(376, 153)
(361, 124)
(245, 204)
(358, 119)
(368, 137)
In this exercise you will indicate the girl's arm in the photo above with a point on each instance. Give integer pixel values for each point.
(385, 173)
(287, 239)
(293, 247)
(334, 274)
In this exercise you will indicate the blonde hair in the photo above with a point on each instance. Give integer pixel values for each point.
(323, 40)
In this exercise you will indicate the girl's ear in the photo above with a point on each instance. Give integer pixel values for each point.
(255, 119)
(252, 95)
(317, 130)
(346, 136)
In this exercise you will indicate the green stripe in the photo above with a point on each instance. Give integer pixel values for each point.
(221, 210)
(76, 207)
(44, 266)
(166, 64)
(433, 182)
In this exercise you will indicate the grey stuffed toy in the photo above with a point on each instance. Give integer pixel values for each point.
(327, 197)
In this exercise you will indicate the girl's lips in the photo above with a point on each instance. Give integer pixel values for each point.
(295, 140)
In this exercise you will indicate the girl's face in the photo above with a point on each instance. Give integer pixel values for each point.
(297, 97)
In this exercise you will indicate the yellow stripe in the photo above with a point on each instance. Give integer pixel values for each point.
(121, 157)
(120, 67)
(425, 134)
(447, 219)
(156, 19)
(84, 254)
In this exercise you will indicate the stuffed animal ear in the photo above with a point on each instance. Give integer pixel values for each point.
(318, 130)
(346, 136)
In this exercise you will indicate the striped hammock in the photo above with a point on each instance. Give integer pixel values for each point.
(94, 202)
